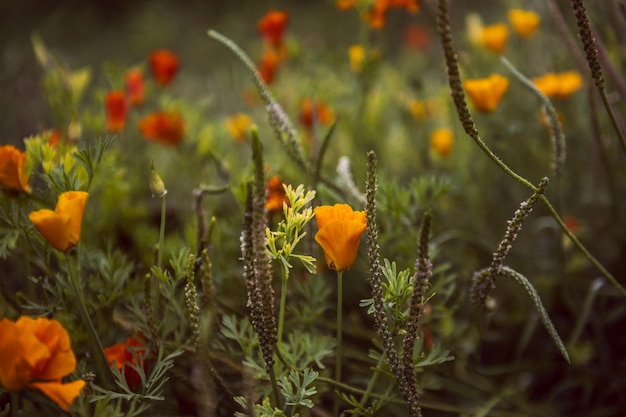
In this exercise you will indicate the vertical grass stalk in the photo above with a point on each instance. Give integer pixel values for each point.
(338, 353)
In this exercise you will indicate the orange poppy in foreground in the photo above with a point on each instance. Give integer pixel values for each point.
(36, 353)
(13, 169)
(339, 234)
(61, 227)
(121, 356)
(163, 127)
(164, 66)
(272, 26)
(116, 110)
(486, 93)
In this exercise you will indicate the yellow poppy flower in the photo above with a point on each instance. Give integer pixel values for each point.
(356, 53)
(339, 234)
(559, 85)
(238, 126)
(13, 169)
(36, 353)
(525, 23)
(494, 37)
(62, 227)
(442, 142)
(486, 93)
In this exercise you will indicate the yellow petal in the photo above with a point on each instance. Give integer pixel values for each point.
(54, 227)
(62, 394)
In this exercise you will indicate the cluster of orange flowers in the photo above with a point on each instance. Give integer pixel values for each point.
(36, 353)
(314, 111)
(165, 127)
(494, 37)
(272, 28)
(376, 15)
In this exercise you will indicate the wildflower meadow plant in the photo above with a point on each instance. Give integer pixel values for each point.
(290, 218)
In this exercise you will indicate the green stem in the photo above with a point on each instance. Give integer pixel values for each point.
(283, 300)
(609, 109)
(594, 288)
(338, 352)
(275, 394)
(15, 400)
(372, 383)
(97, 351)
(161, 233)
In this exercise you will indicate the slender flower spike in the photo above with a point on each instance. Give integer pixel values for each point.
(494, 37)
(339, 234)
(164, 127)
(238, 126)
(36, 353)
(272, 26)
(116, 110)
(560, 85)
(134, 87)
(164, 65)
(525, 23)
(13, 169)
(61, 227)
(120, 355)
(486, 93)
(442, 142)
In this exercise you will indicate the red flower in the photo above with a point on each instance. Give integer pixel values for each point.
(164, 66)
(122, 355)
(276, 195)
(267, 66)
(272, 26)
(116, 109)
(134, 87)
(416, 37)
(323, 114)
(163, 127)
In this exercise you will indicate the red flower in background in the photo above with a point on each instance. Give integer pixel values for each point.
(268, 65)
(416, 37)
(163, 127)
(164, 66)
(272, 26)
(116, 109)
(276, 195)
(310, 108)
(122, 355)
(55, 137)
(134, 87)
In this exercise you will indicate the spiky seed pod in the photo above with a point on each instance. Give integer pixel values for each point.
(589, 42)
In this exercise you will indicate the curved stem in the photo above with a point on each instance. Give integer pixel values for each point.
(161, 233)
(372, 383)
(96, 348)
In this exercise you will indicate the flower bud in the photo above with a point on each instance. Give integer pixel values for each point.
(156, 183)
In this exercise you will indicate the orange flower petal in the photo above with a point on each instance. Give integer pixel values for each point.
(238, 126)
(442, 142)
(486, 93)
(494, 37)
(116, 110)
(525, 23)
(13, 169)
(340, 242)
(163, 127)
(164, 65)
(134, 87)
(54, 227)
(62, 394)
(272, 26)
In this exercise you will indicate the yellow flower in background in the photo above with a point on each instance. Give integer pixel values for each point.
(238, 126)
(442, 142)
(560, 85)
(356, 53)
(13, 169)
(36, 353)
(421, 110)
(61, 227)
(486, 93)
(339, 234)
(525, 22)
(494, 37)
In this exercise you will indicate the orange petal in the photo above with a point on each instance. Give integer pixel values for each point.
(21, 352)
(164, 66)
(62, 394)
(13, 169)
(72, 203)
(54, 227)
(340, 242)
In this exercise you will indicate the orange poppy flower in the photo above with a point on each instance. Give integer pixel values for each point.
(36, 353)
(122, 355)
(55, 137)
(308, 108)
(239, 126)
(346, 4)
(339, 234)
(13, 169)
(486, 93)
(272, 26)
(164, 66)
(442, 142)
(116, 110)
(61, 227)
(276, 195)
(416, 37)
(494, 37)
(163, 127)
(560, 85)
(525, 23)
(268, 65)
(134, 87)
(376, 16)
